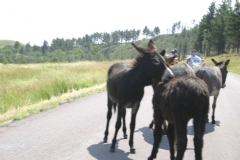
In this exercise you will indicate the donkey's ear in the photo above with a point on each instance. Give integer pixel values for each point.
(139, 49)
(214, 61)
(162, 52)
(227, 62)
(150, 43)
(171, 59)
(151, 46)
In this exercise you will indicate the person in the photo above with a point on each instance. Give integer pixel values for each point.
(194, 60)
(174, 52)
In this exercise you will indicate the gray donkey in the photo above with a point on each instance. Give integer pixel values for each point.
(215, 78)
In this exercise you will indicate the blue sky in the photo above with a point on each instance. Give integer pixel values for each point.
(35, 21)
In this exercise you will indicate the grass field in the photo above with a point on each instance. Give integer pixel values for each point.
(31, 88)
(234, 65)
(45, 85)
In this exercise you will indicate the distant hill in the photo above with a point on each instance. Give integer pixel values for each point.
(8, 42)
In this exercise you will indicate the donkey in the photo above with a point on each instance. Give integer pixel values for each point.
(125, 86)
(178, 69)
(169, 61)
(178, 101)
(215, 78)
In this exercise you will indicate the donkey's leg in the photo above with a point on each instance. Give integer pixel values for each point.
(124, 124)
(181, 131)
(199, 129)
(214, 107)
(151, 124)
(132, 127)
(117, 127)
(198, 141)
(171, 139)
(157, 134)
(109, 115)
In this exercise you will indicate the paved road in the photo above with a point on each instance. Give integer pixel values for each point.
(74, 131)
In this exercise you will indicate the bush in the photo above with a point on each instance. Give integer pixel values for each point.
(5, 62)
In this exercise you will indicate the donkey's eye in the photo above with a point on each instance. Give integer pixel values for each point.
(152, 57)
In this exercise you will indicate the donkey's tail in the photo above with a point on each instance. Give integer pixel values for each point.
(200, 119)
(111, 105)
(198, 122)
(201, 114)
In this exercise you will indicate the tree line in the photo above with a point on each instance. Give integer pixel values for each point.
(88, 47)
(218, 32)
(219, 29)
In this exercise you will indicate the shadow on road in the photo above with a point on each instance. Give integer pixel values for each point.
(208, 129)
(101, 151)
(147, 134)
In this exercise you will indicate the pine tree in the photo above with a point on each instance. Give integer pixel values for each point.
(16, 46)
(233, 27)
(146, 31)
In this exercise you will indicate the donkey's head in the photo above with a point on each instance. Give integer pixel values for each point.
(169, 60)
(153, 63)
(223, 67)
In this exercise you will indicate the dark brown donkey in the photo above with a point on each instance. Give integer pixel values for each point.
(178, 101)
(215, 78)
(178, 69)
(125, 87)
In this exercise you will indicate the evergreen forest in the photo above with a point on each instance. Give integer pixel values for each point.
(218, 32)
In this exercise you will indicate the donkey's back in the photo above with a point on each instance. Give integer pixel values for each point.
(215, 78)
(212, 77)
(178, 101)
(116, 74)
(182, 69)
(181, 97)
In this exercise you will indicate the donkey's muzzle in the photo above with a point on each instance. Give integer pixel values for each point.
(167, 75)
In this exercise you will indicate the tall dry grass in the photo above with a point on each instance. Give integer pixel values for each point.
(28, 84)
(37, 85)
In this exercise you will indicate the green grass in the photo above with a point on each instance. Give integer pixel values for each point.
(31, 88)
(24, 86)
(234, 65)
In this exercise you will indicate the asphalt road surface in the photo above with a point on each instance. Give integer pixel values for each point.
(74, 131)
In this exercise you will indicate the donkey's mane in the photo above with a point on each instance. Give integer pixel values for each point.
(138, 59)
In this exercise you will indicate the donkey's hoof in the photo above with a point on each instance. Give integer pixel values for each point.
(132, 150)
(164, 133)
(112, 149)
(213, 121)
(125, 136)
(151, 126)
(105, 140)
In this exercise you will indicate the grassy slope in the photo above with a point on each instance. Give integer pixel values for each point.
(8, 42)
